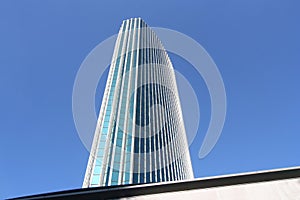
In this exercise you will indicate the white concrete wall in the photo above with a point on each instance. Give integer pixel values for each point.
(274, 190)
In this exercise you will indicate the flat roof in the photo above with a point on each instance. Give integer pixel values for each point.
(122, 191)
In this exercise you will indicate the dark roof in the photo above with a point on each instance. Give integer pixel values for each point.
(154, 188)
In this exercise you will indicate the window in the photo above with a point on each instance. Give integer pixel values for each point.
(97, 169)
(95, 179)
(115, 176)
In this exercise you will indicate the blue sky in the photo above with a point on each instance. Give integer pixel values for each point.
(255, 45)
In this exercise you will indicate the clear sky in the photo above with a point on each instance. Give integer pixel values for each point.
(255, 45)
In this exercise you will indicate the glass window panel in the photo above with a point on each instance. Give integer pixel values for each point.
(119, 142)
(97, 169)
(104, 130)
(99, 161)
(100, 153)
(105, 124)
(135, 178)
(153, 176)
(127, 175)
(117, 157)
(141, 177)
(107, 118)
(102, 144)
(148, 177)
(158, 175)
(115, 175)
(95, 179)
(103, 138)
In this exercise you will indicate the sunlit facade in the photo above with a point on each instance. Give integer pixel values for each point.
(140, 135)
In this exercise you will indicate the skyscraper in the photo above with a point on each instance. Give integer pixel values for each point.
(140, 135)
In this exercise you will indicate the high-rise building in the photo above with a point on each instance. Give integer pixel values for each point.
(140, 135)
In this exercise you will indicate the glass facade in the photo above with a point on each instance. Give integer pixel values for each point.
(140, 135)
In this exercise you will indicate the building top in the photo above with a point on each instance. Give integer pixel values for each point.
(283, 182)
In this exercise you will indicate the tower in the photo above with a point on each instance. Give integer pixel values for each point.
(140, 135)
